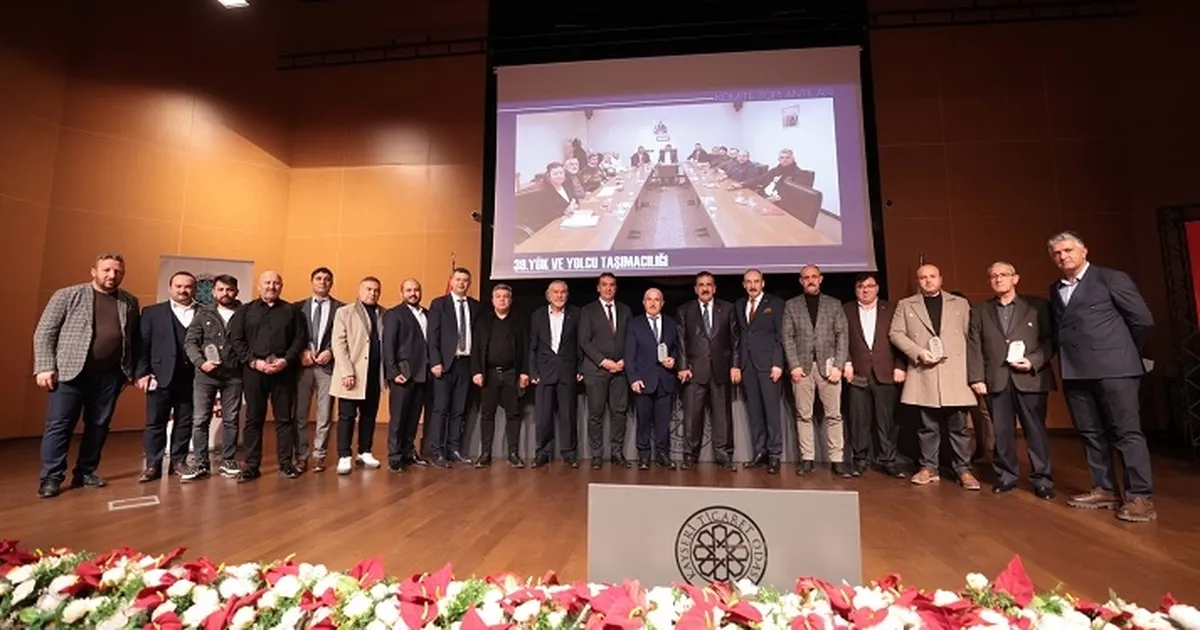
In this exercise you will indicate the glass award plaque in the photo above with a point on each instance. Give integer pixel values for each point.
(663, 354)
(937, 349)
(212, 353)
(1016, 351)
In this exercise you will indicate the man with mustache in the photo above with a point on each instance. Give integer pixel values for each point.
(209, 335)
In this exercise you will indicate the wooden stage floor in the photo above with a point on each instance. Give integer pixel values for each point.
(530, 521)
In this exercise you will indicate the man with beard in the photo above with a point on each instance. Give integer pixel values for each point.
(760, 318)
(406, 368)
(217, 373)
(709, 349)
(84, 352)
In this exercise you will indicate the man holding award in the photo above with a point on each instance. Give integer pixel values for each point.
(1009, 347)
(930, 328)
(816, 343)
(207, 347)
(651, 355)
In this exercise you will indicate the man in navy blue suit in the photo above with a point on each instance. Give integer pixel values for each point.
(652, 380)
(758, 316)
(165, 374)
(554, 372)
(1102, 324)
(451, 318)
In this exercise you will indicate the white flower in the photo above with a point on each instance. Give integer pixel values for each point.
(491, 613)
(555, 618)
(526, 611)
(162, 609)
(117, 621)
(453, 589)
(290, 618)
(358, 606)
(248, 572)
(268, 600)
(77, 609)
(20, 574)
(993, 618)
(180, 588)
(62, 583)
(147, 561)
(243, 618)
(49, 601)
(206, 596)
(23, 590)
(113, 576)
(376, 625)
(232, 587)
(154, 577)
(195, 615)
(944, 598)
(977, 581)
(312, 572)
(325, 583)
(379, 591)
(869, 598)
(493, 596)
(388, 611)
(287, 587)
(319, 615)
(747, 588)
(1185, 616)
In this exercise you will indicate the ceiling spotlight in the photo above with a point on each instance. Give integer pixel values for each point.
(234, 4)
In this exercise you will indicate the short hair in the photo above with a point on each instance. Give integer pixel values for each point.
(108, 256)
(1066, 235)
(752, 270)
(502, 287)
(226, 280)
(1001, 263)
(553, 165)
(864, 276)
(462, 270)
(325, 270)
(371, 279)
(811, 267)
(787, 152)
(606, 274)
(181, 273)
(705, 274)
(557, 282)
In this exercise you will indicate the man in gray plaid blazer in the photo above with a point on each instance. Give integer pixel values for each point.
(816, 343)
(84, 353)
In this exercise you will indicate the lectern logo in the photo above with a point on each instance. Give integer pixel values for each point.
(720, 544)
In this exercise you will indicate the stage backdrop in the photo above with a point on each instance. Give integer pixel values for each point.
(205, 269)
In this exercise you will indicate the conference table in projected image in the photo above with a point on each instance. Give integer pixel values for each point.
(665, 207)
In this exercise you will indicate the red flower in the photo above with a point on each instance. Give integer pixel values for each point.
(472, 621)
(1014, 581)
(618, 607)
(13, 556)
(202, 570)
(868, 617)
(368, 572)
(166, 621)
(1168, 601)
(273, 574)
(419, 595)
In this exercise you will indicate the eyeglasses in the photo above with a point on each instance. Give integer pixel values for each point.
(1003, 274)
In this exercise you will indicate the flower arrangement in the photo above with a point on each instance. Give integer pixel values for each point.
(126, 589)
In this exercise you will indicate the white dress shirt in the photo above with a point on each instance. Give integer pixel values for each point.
(184, 314)
(225, 313)
(556, 328)
(421, 320)
(868, 316)
(465, 314)
(656, 326)
(1067, 287)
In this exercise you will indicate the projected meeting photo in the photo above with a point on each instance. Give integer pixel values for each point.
(708, 179)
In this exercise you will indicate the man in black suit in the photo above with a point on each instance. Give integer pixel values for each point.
(499, 364)
(554, 370)
(651, 379)
(602, 325)
(708, 341)
(406, 368)
(451, 318)
(1102, 324)
(761, 358)
(316, 370)
(1009, 347)
(874, 370)
(165, 374)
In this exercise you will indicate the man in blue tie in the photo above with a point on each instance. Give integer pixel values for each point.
(451, 318)
(651, 355)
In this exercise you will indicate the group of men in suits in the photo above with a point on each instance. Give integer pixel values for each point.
(938, 351)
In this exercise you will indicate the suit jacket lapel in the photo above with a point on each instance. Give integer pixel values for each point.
(923, 314)
(992, 310)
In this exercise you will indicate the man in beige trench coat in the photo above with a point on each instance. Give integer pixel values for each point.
(930, 328)
(358, 374)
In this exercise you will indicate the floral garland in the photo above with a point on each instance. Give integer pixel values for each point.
(126, 589)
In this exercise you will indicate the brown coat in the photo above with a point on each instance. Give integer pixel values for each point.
(882, 357)
(945, 383)
(350, 346)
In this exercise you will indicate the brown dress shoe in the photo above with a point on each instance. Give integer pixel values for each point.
(968, 481)
(318, 465)
(925, 477)
(1095, 499)
(1138, 510)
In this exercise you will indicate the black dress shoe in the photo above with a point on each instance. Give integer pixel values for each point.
(395, 467)
(148, 475)
(644, 463)
(441, 462)
(597, 463)
(621, 462)
(458, 458)
(688, 464)
(773, 466)
(515, 460)
(247, 475)
(840, 469)
(90, 480)
(48, 489)
(727, 465)
(289, 471)
(758, 461)
(573, 463)
(1003, 488)
(1044, 493)
(484, 461)
(893, 471)
(541, 461)
(805, 467)
(417, 461)
(665, 462)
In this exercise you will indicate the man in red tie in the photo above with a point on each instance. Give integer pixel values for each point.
(758, 315)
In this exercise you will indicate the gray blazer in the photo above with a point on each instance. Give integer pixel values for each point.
(322, 340)
(829, 338)
(1103, 329)
(63, 335)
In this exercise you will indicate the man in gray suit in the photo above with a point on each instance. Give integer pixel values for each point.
(1102, 325)
(316, 370)
(816, 344)
(84, 353)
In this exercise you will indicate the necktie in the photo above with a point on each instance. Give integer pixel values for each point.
(462, 325)
(654, 327)
(612, 323)
(315, 335)
(707, 320)
(753, 309)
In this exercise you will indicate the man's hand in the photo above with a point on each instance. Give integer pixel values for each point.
(638, 386)
(348, 382)
(899, 375)
(1022, 365)
(579, 377)
(848, 373)
(609, 365)
(797, 375)
(324, 357)
(436, 371)
(400, 380)
(776, 373)
(306, 358)
(684, 376)
(735, 375)
(208, 366)
(534, 380)
(979, 388)
(278, 365)
(926, 358)
(621, 365)
(46, 380)
(669, 363)
(143, 383)
(835, 375)
(523, 381)
(478, 380)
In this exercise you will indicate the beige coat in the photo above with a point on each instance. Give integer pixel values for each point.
(351, 330)
(943, 384)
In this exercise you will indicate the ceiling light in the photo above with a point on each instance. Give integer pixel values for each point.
(234, 4)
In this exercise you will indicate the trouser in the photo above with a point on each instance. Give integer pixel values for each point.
(930, 436)
(366, 410)
(500, 389)
(982, 430)
(554, 417)
(279, 389)
(405, 405)
(872, 415)
(161, 404)
(762, 408)
(1006, 407)
(609, 391)
(204, 394)
(715, 398)
(450, 394)
(1110, 406)
(812, 385)
(653, 423)
(92, 394)
(313, 382)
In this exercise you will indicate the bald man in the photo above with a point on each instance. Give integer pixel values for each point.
(652, 356)
(267, 336)
(406, 368)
